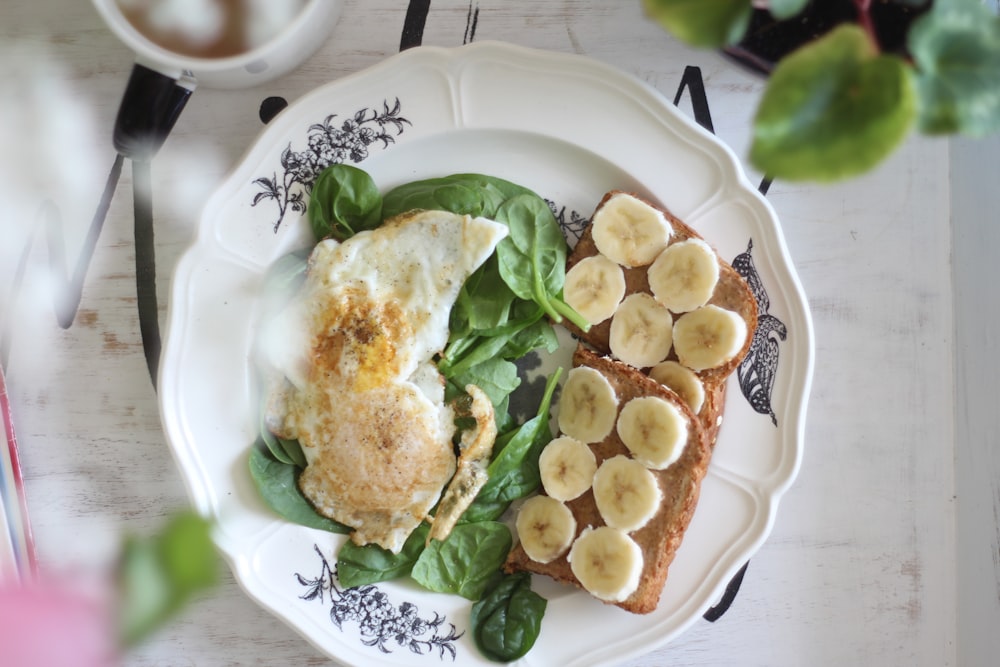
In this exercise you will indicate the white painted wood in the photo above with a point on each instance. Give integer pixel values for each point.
(975, 200)
(862, 565)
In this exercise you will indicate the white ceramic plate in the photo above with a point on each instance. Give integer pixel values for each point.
(570, 129)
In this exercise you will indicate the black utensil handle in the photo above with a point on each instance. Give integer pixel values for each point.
(150, 106)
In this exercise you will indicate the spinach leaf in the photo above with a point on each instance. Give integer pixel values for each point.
(496, 377)
(465, 194)
(358, 566)
(484, 301)
(276, 484)
(513, 472)
(284, 451)
(532, 259)
(483, 510)
(344, 201)
(466, 561)
(506, 621)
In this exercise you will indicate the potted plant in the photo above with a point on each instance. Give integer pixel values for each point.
(850, 79)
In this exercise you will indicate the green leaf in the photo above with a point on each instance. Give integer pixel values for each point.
(956, 49)
(513, 472)
(358, 566)
(277, 484)
(785, 9)
(506, 621)
(705, 23)
(532, 259)
(832, 109)
(465, 194)
(495, 376)
(344, 201)
(465, 562)
(157, 576)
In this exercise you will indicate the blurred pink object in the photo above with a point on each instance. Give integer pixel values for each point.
(54, 624)
(14, 503)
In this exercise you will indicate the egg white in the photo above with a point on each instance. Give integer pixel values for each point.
(360, 390)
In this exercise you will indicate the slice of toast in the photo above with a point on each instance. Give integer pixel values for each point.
(731, 293)
(679, 483)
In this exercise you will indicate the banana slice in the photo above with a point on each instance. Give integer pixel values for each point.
(683, 277)
(606, 562)
(682, 381)
(654, 430)
(567, 468)
(630, 231)
(594, 287)
(588, 405)
(708, 337)
(545, 527)
(626, 493)
(641, 331)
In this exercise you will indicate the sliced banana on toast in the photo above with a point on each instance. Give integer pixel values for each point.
(566, 467)
(626, 493)
(594, 287)
(683, 277)
(588, 405)
(641, 331)
(626, 502)
(545, 527)
(670, 321)
(607, 563)
(676, 269)
(708, 337)
(683, 381)
(654, 429)
(630, 231)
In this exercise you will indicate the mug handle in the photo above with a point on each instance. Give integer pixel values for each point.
(150, 106)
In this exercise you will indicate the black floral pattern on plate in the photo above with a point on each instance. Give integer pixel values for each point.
(757, 371)
(330, 142)
(571, 222)
(381, 623)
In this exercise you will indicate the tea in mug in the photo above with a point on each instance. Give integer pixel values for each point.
(209, 28)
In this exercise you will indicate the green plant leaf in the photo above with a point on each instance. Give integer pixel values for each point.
(507, 620)
(276, 484)
(833, 109)
(344, 201)
(956, 49)
(358, 566)
(464, 563)
(158, 575)
(704, 23)
(786, 9)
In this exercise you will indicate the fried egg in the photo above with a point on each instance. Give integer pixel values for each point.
(360, 390)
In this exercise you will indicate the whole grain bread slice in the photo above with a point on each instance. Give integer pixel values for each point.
(731, 293)
(680, 484)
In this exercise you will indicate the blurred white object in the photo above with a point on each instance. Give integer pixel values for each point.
(293, 44)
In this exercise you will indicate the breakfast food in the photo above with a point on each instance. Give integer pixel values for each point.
(380, 356)
(623, 560)
(356, 382)
(646, 395)
(712, 310)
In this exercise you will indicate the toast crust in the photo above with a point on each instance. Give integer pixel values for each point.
(679, 484)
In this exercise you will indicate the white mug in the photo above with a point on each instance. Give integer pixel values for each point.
(280, 54)
(162, 80)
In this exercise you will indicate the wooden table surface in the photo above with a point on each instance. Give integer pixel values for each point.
(862, 564)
